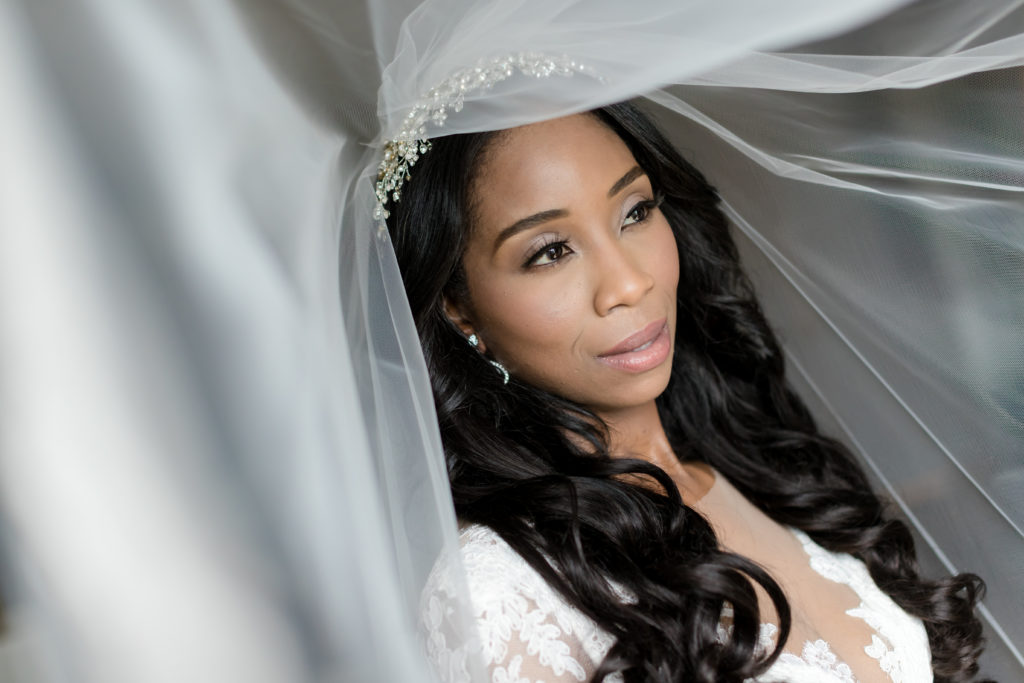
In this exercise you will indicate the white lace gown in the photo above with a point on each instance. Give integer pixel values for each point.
(529, 634)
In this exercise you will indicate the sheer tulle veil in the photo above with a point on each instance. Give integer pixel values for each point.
(218, 454)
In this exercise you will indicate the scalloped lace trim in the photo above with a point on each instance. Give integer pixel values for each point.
(528, 634)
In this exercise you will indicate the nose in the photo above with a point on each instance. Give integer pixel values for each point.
(622, 278)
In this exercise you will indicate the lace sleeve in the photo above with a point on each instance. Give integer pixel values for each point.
(523, 632)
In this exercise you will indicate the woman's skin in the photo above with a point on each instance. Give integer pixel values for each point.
(568, 257)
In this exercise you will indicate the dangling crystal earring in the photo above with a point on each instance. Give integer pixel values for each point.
(474, 341)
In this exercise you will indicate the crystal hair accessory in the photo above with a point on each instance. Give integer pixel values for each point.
(399, 157)
(402, 153)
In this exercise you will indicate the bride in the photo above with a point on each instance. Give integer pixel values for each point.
(641, 493)
(219, 458)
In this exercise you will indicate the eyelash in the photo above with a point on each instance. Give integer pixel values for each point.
(646, 207)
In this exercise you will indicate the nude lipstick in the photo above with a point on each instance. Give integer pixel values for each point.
(641, 351)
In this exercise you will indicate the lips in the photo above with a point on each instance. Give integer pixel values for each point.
(642, 350)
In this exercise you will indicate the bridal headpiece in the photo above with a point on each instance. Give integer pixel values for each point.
(402, 152)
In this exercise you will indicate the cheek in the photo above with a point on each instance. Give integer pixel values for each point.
(661, 255)
(670, 263)
(531, 322)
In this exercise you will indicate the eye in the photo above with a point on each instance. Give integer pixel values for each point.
(642, 211)
(548, 254)
(637, 215)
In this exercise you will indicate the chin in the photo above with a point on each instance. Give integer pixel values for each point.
(635, 391)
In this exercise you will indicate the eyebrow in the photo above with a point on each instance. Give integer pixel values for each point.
(552, 214)
(620, 184)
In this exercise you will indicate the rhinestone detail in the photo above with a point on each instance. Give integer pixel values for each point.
(402, 153)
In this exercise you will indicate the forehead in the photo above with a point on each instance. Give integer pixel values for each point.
(548, 165)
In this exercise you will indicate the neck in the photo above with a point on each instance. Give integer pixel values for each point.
(637, 432)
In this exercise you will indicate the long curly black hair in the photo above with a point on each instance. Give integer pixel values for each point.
(536, 467)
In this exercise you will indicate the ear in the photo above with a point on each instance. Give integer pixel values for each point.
(458, 314)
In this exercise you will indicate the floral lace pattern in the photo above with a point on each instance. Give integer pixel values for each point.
(523, 627)
(899, 643)
(819, 656)
(526, 633)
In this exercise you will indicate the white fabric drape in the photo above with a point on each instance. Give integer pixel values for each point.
(218, 459)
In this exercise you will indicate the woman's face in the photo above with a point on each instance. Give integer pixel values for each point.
(571, 268)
